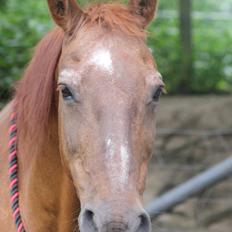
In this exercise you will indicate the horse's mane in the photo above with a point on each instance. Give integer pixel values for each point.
(35, 93)
(115, 17)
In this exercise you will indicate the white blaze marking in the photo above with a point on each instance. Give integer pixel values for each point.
(108, 142)
(124, 164)
(102, 59)
(118, 170)
(110, 149)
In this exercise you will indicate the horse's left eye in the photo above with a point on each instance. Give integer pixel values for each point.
(66, 93)
(157, 93)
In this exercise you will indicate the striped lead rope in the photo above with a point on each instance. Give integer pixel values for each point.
(13, 173)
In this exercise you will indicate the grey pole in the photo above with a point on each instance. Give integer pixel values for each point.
(190, 188)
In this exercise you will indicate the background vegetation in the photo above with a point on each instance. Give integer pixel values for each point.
(23, 24)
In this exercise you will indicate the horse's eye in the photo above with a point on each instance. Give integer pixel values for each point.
(157, 94)
(66, 93)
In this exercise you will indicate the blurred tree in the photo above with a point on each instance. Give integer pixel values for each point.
(3, 4)
(186, 67)
(207, 51)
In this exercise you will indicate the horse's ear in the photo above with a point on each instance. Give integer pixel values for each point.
(64, 12)
(144, 8)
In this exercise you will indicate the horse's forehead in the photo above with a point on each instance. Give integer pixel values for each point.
(112, 62)
(101, 48)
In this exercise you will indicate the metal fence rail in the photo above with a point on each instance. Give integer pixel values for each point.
(190, 188)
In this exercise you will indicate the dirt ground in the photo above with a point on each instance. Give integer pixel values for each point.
(204, 138)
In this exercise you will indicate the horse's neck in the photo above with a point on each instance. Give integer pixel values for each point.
(47, 197)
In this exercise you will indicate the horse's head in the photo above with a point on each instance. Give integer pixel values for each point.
(108, 92)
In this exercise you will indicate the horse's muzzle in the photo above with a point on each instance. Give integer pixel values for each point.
(114, 217)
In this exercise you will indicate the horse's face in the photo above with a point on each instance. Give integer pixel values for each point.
(108, 93)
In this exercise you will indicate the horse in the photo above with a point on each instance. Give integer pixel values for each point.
(83, 123)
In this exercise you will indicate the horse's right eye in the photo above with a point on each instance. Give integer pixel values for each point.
(66, 93)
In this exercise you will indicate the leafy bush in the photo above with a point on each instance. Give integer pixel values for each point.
(212, 49)
(22, 25)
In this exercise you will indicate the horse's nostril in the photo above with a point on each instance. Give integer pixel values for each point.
(108, 220)
(88, 221)
(145, 223)
(89, 215)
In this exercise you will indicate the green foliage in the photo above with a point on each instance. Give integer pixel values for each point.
(163, 39)
(23, 23)
(212, 56)
(3, 4)
(212, 49)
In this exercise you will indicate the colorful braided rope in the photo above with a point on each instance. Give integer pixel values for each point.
(13, 173)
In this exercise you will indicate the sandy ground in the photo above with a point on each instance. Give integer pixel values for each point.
(178, 158)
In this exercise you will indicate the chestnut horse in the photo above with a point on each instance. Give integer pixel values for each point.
(85, 122)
